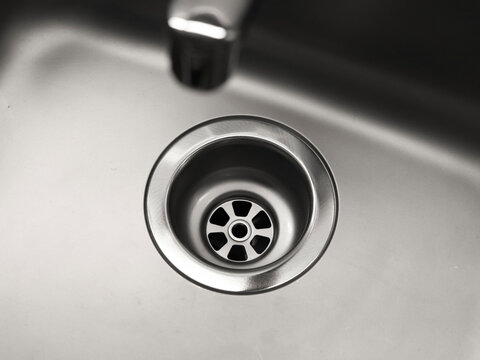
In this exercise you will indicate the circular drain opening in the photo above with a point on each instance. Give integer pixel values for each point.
(241, 182)
(239, 230)
(241, 205)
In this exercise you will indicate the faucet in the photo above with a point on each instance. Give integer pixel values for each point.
(204, 39)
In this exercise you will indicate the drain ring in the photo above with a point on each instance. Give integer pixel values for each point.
(239, 231)
(255, 230)
(241, 157)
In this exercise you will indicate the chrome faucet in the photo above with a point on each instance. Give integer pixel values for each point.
(204, 37)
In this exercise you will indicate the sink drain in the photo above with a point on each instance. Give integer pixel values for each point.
(241, 205)
(239, 230)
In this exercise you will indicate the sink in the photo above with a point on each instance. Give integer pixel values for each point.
(87, 105)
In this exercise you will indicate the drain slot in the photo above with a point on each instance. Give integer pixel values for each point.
(244, 235)
(241, 208)
(237, 253)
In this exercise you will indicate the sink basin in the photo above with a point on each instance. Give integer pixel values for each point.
(86, 108)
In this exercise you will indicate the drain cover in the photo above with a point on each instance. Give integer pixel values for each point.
(239, 230)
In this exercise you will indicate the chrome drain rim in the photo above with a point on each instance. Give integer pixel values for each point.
(255, 238)
(247, 278)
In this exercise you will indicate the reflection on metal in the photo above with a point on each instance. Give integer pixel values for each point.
(198, 28)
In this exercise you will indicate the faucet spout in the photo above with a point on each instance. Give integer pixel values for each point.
(204, 37)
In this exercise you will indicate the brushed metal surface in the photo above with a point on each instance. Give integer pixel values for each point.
(84, 113)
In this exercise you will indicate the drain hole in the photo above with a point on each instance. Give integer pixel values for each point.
(239, 230)
(237, 253)
(241, 208)
(260, 243)
(219, 217)
(261, 221)
(217, 240)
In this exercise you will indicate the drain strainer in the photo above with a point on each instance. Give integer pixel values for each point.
(239, 230)
(241, 205)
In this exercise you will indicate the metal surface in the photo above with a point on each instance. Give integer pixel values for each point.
(241, 156)
(84, 113)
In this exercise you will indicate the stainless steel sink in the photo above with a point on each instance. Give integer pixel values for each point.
(87, 104)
